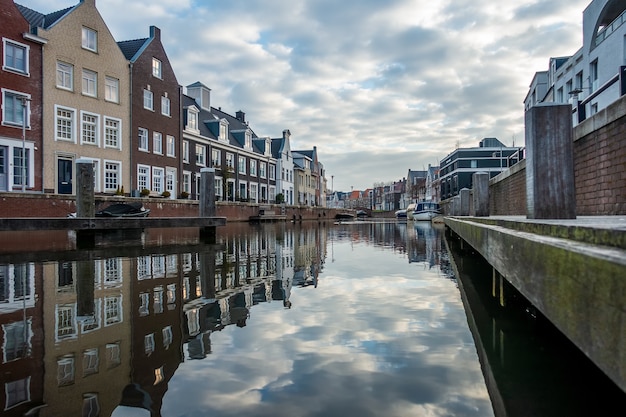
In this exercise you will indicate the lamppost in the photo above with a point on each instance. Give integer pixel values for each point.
(24, 101)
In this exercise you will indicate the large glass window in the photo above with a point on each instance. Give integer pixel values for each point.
(201, 155)
(12, 110)
(242, 165)
(158, 175)
(65, 122)
(112, 133)
(216, 157)
(90, 83)
(111, 176)
(143, 175)
(89, 128)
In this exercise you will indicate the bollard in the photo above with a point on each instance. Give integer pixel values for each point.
(480, 183)
(85, 287)
(550, 188)
(85, 197)
(465, 202)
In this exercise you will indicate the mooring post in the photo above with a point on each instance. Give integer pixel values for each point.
(85, 287)
(207, 202)
(85, 201)
(465, 202)
(480, 185)
(550, 188)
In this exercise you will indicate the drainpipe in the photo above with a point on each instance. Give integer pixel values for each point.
(130, 123)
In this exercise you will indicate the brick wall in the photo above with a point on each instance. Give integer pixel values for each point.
(599, 169)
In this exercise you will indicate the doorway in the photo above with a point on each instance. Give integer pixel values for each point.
(64, 175)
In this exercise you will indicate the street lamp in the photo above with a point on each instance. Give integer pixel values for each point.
(24, 101)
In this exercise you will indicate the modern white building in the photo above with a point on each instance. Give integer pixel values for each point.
(594, 76)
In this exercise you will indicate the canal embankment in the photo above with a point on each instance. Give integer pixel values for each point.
(572, 270)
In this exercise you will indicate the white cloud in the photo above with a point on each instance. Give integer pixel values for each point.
(392, 85)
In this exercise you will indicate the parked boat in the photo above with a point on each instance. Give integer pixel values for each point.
(401, 214)
(361, 213)
(134, 209)
(344, 216)
(426, 210)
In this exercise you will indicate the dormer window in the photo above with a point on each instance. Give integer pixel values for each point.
(223, 130)
(248, 139)
(192, 119)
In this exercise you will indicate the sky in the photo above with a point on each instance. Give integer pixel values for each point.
(379, 87)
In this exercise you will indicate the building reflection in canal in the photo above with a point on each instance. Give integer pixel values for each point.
(96, 332)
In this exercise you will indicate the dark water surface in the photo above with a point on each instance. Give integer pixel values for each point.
(311, 319)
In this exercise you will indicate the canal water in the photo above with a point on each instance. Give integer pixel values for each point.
(307, 319)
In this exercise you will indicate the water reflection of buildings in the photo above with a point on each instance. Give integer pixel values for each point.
(96, 332)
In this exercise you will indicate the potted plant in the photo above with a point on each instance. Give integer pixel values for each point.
(166, 194)
(144, 192)
(184, 195)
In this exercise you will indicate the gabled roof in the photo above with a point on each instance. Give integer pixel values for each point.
(131, 47)
(36, 19)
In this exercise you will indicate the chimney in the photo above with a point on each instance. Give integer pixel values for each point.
(241, 116)
(155, 33)
(286, 134)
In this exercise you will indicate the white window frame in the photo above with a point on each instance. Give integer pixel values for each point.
(89, 39)
(158, 179)
(112, 89)
(241, 164)
(223, 130)
(263, 169)
(65, 76)
(272, 172)
(148, 100)
(89, 83)
(186, 151)
(157, 68)
(71, 120)
(7, 44)
(170, 181)
(144, 177)
(200, 155)
(170, 146)
(165, 106)
(157, 143)
(112, 167)
(253, 190)
(192, 119)
(108, 130)
(142, 139)
(15, 98)
(186, 182)
(230, 160)
(253, 167)
(216, 157)
(219, 187)
(96, 128)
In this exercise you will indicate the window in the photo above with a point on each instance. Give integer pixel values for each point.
(253, 167)
(89, 128)
(218, 187)
(90, 83)
(186, 151)
(171, 146)
(248, 135)
(187, 182)
(90, 39)
(216, 157)
(230, 160)
(148, 100)
(65, 124)
(148, 343)
(201, 155)
(143, 175)
(15, 56)
(90, 361)
(112, 133)
(579, 80)
(20, 166)
(170, 180)
(156, 68)
(12, 110)
(272, 172)
(157, 143)
(192, 119)
(559, 95)
(112, 310)
(17, 392)
(242, 165)
(263, 170)
(165, 106)
(223, 132)
(253, 192)
(143, 139)
(158, 175)
(111, 176)
(112, 89)
(593, 76)
(65, 76)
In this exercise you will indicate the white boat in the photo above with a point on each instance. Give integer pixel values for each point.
(401, 214)
(426, 210)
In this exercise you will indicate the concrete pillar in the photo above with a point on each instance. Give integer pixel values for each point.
(480, 184)
(465, 202)
(85, 198)
(550, 189)
(207, 192)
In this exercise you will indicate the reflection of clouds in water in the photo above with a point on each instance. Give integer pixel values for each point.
(374, 345)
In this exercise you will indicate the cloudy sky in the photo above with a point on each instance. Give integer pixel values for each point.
(380, 87)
